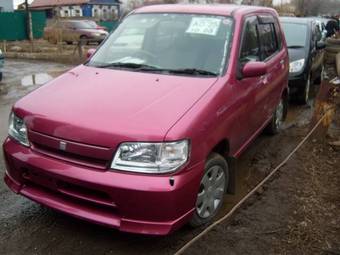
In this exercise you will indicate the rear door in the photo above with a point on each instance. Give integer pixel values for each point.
(276, 58)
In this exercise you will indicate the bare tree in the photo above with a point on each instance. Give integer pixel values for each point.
(316, 7)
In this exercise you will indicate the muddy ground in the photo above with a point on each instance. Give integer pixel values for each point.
(297, 212)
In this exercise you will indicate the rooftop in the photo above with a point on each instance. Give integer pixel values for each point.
(216, 9)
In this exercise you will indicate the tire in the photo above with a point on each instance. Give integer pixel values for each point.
(0, 76)
(69, 43)
(278, 118)
(211, 192)
(304, 93)
(319, 79)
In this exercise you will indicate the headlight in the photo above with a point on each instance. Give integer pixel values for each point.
(151, 157)
(296, 66)
(17, 129)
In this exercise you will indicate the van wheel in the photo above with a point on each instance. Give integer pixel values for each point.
(211, 192)
(278, 118)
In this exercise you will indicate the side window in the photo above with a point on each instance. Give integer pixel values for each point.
(250, 50)
(268, 40)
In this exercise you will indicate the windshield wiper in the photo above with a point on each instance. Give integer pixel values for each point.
(295, 46)
(193, 71)
(134, 66)
(144, 67)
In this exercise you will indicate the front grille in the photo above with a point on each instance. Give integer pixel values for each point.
(74, 152)
(71, 157)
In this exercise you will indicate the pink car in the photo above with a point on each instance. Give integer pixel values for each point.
(141, 137)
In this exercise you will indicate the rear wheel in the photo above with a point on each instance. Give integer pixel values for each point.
(278, 117)
(211, 192)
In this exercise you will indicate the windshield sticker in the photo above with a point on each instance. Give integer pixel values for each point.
(205, 26)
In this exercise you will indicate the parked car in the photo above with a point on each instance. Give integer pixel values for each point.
(321, 23)
(70, 31)
(305, 46)
(2, 61)
(141, 137)
(95, 25)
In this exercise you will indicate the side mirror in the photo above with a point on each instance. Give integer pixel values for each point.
(320, 45)
(254, 69)
(90, 52)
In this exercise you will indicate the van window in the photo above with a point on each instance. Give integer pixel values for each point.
(250, 50)
(268, 40)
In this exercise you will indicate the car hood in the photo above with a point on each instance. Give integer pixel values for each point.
(297, 53)
(105, 107)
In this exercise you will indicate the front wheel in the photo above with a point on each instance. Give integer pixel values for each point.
(211, 192)
(303, 96)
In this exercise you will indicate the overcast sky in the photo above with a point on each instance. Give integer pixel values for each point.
(16, 2)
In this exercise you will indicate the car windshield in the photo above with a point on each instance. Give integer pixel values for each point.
(296, 34)
(173, 43)
(92, 24)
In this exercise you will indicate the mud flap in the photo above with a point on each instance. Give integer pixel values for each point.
(232, 175)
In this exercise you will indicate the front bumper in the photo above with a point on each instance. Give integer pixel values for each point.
(129, 202)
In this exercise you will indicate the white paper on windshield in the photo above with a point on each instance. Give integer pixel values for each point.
(204, 25)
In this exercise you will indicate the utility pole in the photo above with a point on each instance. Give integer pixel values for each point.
(29, 22)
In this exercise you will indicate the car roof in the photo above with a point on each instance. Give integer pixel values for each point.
(296, 20)
(214, 9)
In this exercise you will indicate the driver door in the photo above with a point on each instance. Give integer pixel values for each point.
(250, 90)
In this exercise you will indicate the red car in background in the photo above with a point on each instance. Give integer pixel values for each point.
(71, 31)
(141, 136)
(95, 25)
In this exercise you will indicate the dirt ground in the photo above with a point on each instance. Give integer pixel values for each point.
(296, 213)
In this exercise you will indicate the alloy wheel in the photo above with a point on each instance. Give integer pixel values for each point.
(212, 189)
(279, 113)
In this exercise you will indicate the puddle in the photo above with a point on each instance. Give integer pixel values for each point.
(35, 79)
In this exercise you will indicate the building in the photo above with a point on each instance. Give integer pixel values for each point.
(98, 9)
(6, 6)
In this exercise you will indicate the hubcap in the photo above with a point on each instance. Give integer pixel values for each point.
(212, 189)
(279, 114)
